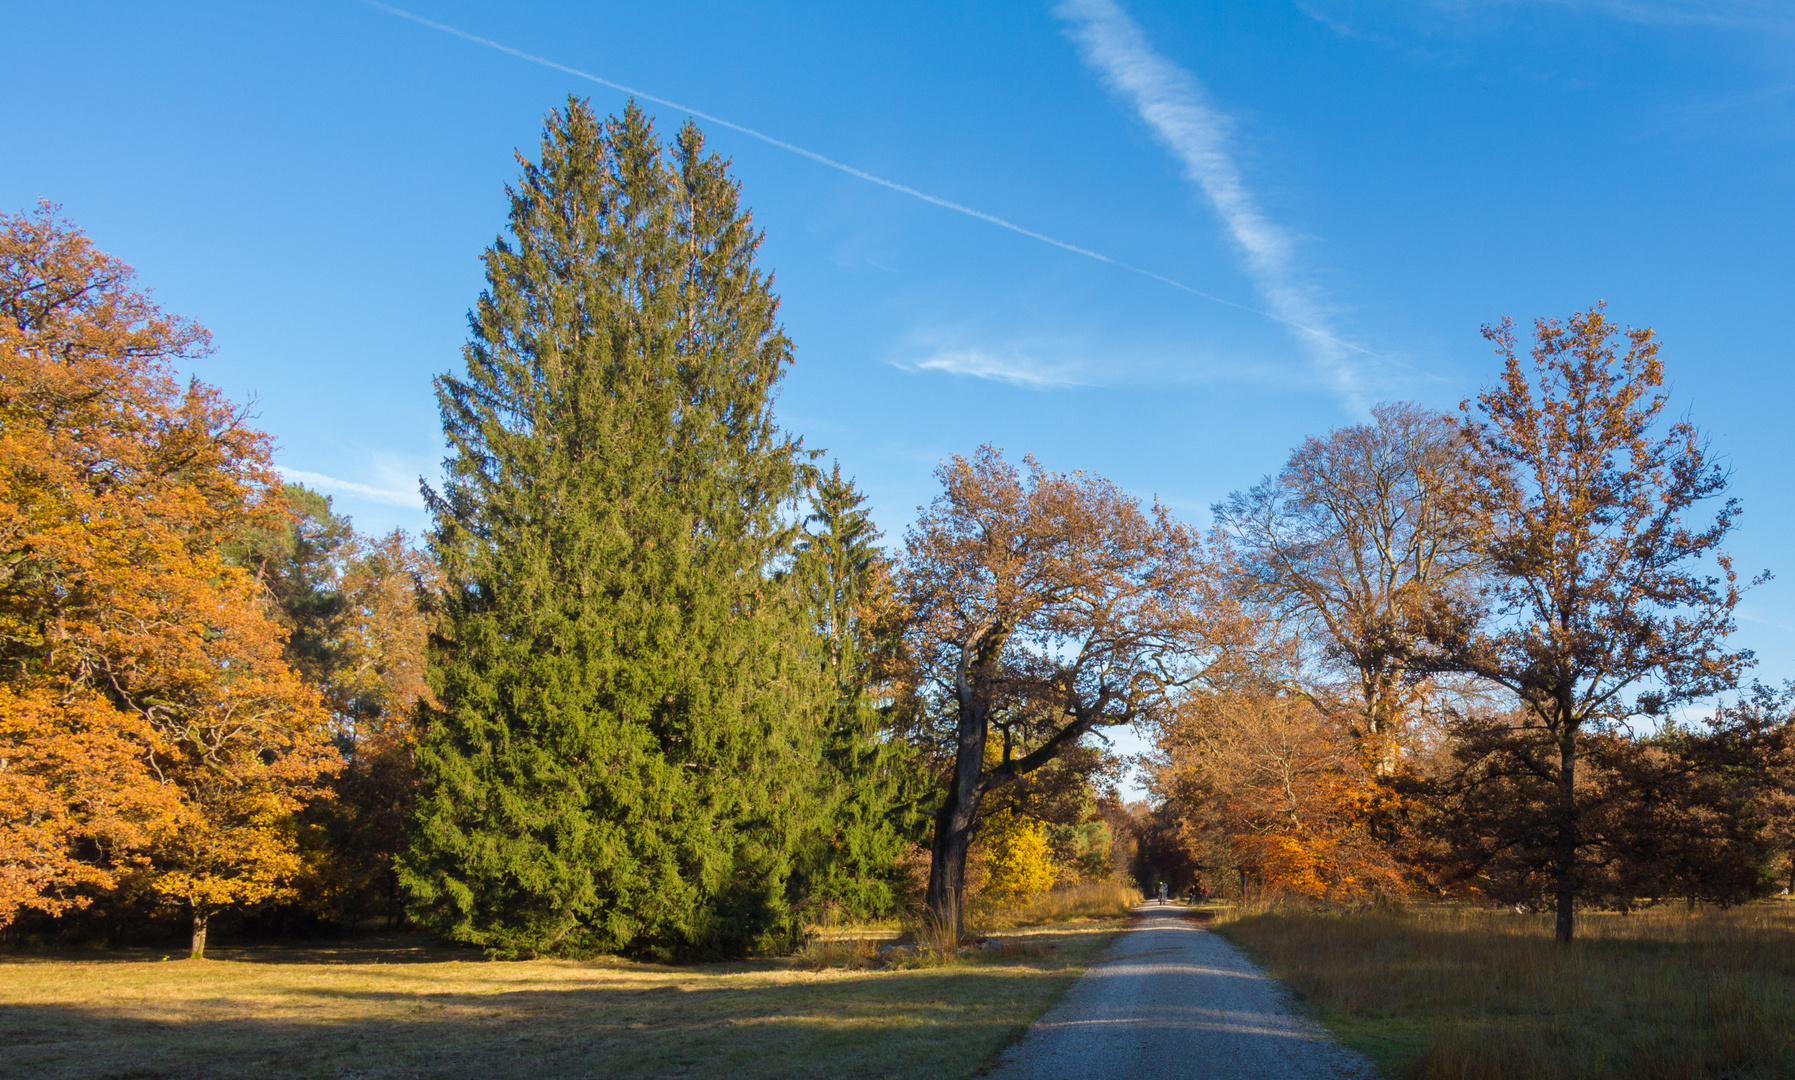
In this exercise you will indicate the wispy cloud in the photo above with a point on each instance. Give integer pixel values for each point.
(1765, 622)
(1176, 109)
(1014, 368)
(391, 496)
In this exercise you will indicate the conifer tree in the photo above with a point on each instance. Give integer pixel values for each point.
(624, 749)
(873, 779)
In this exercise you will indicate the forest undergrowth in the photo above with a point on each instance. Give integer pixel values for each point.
(1462, 993)
(919, 941)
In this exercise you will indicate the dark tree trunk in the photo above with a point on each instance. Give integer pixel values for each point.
(954, 821)
(1565, 859)
(200, 916)
(947, 866)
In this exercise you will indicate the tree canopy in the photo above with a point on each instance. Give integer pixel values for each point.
(157, 735)
(1048, 606)
(656, 683)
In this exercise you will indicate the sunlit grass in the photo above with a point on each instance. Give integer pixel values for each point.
(1014, 928)
(836, 1009)
(1469, 994)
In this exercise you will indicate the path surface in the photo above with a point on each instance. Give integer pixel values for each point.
(1171, 999)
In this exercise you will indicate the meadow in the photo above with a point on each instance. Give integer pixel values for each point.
(398, 1009)
(1454, 993)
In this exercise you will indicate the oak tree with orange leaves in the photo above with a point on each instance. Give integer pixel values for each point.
(1609, 596)
(153, 734)
(1047, 606)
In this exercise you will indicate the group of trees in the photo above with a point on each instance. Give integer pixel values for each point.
(653, 684)
(208, 683)
(1489, 630)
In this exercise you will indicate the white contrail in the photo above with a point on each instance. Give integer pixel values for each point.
(1174, 106)
(812, 155)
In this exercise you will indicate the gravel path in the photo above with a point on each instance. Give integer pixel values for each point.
(1171, 999)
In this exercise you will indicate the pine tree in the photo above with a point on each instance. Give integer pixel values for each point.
(624, 747)
(872, 780)
(299, 558)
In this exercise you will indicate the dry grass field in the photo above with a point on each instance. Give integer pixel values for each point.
(400, 1011)
(1460, 994)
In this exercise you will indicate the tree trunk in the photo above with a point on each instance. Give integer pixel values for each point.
(947, 867)
(1565, 860)
(200, 915)
(954, 821)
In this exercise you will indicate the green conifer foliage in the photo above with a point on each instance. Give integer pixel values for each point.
(871, 779)
(299, 560)
(626, 748)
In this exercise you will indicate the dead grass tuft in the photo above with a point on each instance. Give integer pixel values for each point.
(1083, 900)
(852, 953)
(1454, 993)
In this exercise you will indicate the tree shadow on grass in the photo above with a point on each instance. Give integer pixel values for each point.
(935, 1023)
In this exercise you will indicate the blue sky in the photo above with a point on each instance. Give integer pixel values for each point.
(1340, 192)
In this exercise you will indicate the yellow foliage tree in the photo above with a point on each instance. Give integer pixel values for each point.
(1018, 858)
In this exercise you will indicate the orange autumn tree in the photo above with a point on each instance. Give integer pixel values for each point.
(150, 732)
(1269, 784)
(77, 806)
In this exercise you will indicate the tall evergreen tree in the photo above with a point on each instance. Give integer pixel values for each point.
(624, 749)
(872, 779)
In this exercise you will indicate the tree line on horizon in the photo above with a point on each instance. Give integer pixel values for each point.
(653, 684)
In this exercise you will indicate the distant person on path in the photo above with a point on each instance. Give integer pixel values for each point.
(1162, 892)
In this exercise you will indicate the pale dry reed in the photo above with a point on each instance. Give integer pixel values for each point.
(1082, 900)
(1455, 993)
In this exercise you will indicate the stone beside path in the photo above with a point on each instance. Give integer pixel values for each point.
(1171, 999)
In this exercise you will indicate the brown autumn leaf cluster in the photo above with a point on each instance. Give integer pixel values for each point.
(1267, 782)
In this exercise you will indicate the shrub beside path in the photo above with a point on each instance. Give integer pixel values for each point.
(1172, 999)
